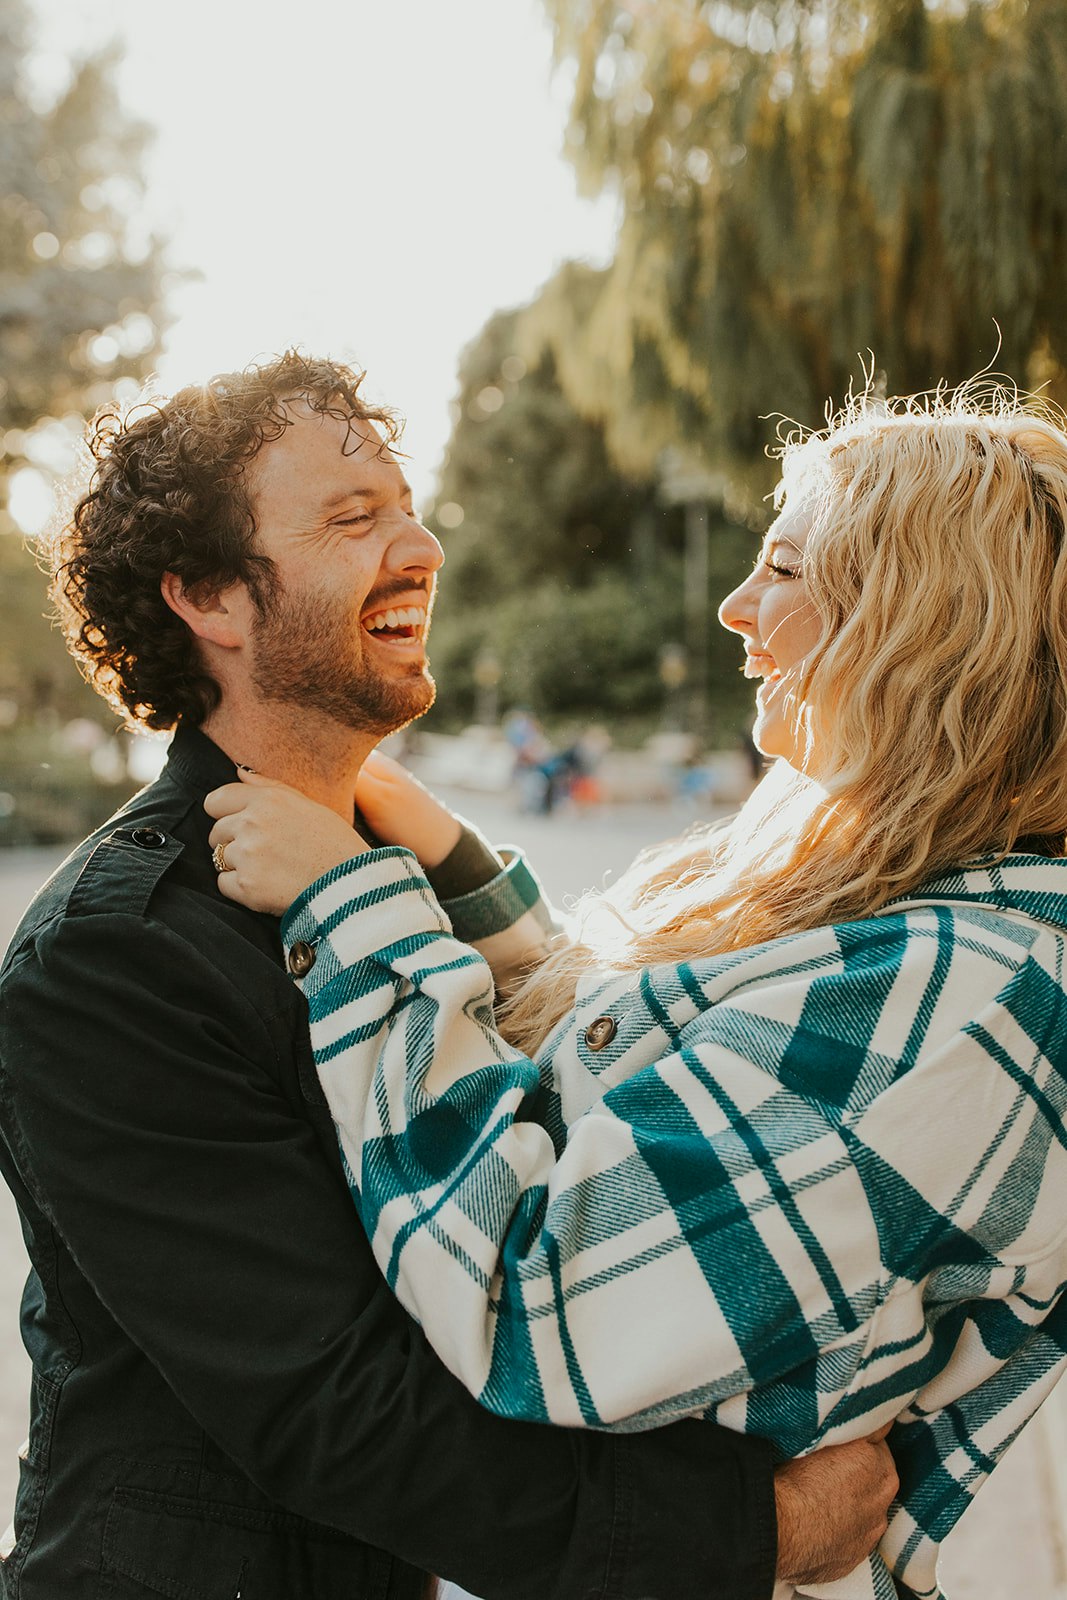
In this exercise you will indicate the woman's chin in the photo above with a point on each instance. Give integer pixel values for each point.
(771, 738)
(774, 739)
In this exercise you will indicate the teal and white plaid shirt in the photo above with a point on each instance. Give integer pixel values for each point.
(802, 1188)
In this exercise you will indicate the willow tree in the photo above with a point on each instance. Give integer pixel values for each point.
(801, 183)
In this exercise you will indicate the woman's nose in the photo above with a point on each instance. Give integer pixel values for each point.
(738, 610)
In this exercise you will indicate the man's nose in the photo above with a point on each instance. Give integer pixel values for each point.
(415, 549)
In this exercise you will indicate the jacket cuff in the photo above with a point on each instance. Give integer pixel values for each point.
(354, 911)
(470, 864)
(501, 903)
(708, 1496)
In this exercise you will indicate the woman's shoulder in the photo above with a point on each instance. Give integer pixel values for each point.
(1000, 907)
(895, 986)
(1024, 888)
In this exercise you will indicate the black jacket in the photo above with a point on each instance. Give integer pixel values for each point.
(227, 1401)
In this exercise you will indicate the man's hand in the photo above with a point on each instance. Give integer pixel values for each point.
(832, 1508)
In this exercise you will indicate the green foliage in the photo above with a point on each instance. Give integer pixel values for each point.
(562, 651)
(49, 791)
(71, 267)
(563, 572)
(804, 180)
(532, 478)
(79, 310)
(35, 672)
(545, 521)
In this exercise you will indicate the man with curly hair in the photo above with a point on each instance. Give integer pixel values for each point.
(227, 1401)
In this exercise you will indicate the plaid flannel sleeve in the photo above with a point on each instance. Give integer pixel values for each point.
(728, 1226)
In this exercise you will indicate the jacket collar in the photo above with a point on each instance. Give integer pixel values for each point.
(198, 761)
(1034, 886)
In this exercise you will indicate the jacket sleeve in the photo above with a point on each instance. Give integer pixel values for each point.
(162, 1141)
(695, 1209)
(507, 918)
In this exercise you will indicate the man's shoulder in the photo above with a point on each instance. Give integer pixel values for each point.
(131, 941)
(118, 864)
(150, 862)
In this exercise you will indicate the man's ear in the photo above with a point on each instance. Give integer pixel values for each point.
(214, 615)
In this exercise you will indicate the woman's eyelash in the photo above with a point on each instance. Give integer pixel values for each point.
(783, 572)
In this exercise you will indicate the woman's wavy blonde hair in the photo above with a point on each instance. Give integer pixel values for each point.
(933, 707)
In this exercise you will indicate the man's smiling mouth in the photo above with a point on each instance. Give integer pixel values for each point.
(399, 622)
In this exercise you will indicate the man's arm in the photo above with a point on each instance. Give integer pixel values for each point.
(814, 1544)
(149, 1122)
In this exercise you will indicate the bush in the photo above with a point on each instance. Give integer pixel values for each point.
(583, 654)
(49, 793)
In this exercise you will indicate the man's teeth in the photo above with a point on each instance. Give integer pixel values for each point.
(409, 617)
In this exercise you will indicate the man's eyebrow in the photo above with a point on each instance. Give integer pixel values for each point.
(342, 495)
(363, 493)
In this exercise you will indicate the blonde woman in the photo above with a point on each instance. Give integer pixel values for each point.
(778, 1137)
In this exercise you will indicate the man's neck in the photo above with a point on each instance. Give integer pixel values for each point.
(304, 749)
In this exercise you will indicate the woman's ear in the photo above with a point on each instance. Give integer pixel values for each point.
(215, 615)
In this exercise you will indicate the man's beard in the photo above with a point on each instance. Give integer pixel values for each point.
(304, 654)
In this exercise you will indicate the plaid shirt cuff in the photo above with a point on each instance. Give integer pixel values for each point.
(347, 914)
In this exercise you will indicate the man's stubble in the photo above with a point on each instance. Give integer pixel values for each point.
(306, 651)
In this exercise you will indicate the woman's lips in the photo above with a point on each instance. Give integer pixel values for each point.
(760, 665)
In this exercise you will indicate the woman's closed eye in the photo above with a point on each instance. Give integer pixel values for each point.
(781, 558)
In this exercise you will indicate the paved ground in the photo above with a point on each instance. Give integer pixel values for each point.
(1012, 1542)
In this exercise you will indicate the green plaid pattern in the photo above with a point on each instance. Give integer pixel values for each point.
(803, 1189)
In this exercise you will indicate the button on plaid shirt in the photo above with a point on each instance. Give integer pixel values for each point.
(803, 1188)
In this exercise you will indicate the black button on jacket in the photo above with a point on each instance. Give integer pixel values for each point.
(227, 1401)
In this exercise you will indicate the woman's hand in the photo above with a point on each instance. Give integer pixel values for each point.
(400, 811)
(275, 841)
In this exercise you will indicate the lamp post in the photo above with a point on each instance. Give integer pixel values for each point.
(487, 682)
(673, 671)
(688, 483)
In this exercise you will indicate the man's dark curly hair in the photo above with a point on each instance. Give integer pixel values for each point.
(168, 494)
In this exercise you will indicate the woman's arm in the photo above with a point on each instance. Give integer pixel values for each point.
(492, 898)
(677, 1219)
(712, 1214)
(277, 842)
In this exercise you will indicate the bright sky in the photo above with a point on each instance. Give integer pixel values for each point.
(370, 181)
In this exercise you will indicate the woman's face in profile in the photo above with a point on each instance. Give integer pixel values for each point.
(775, 617)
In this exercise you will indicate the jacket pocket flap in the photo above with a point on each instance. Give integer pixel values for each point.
(184, 1549)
